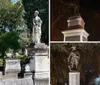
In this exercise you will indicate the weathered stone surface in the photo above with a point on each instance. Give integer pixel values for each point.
(13, 81)
(12, 66)
(74, 78)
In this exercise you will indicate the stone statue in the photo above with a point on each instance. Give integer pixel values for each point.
(37, 22)
(73, 59)
(27, 68)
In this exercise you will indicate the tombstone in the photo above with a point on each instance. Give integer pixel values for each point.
(75, 31)
(12, 68)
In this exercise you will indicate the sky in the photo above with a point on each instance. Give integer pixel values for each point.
(14, 1)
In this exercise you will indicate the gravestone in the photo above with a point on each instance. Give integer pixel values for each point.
(12, 68)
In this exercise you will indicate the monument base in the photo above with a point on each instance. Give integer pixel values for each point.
(74, 78)
(42, 78)
(75, 35)
(9, 76)
(0, 75)
(28, 74)
(40, 63)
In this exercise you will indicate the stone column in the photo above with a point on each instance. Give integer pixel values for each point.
(40, 63)
(42, 67)
(74, 78)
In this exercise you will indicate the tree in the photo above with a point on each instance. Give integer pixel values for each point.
(11, 18)
(9, 40)
(11, 15)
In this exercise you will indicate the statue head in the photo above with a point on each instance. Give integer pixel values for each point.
(73, 48)
(36, 13)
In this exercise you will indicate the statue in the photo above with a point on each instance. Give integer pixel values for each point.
(27, 68)
(73, 59)
(37, 22)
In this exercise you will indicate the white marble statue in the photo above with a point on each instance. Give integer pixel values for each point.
(27, 68)
(37, 22)
(73, 59)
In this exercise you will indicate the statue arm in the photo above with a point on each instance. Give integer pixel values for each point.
(34, 22)
(39, 21)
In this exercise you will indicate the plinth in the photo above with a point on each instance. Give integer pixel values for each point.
(74, 78)
(40, 63)
(75, 31)
(75, 35)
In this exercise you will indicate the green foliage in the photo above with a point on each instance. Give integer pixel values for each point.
(10, 14)
(9, 40)
(22, 57)
(1, 62)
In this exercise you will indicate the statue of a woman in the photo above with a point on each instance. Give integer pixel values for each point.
(37, 22)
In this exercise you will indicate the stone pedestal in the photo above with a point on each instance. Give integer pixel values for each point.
(10, 76)
(75, 30)
(42, 78)
(40, 63)
(12, 68)
(28, 74)
(74, 78)
(0, 75)
(75, 35)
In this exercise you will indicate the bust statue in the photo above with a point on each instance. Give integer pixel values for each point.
(73, 59)
(37, 22)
